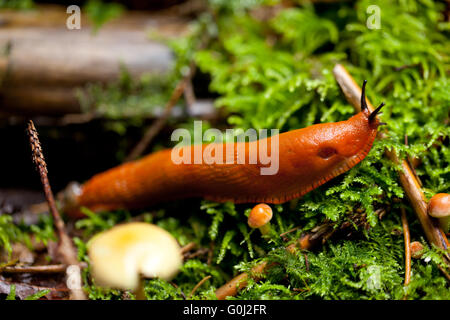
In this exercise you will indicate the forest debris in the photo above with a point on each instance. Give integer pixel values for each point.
(185, 249)
(52, 268)
(407, 238)
(156, 127)
(66, 251)
(24, 290)
(232, 287)
(319, 234)
(407, 179)
(198, 285)
(21, 253)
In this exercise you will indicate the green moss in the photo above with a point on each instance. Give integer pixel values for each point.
(16, 4)
(276, 72)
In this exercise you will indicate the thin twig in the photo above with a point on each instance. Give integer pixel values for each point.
(407, 179)
(53, 268)
(157, 126)
(411, 164)
(232, 287)
(195, 254)
(407, 237)
(159, 123)
(25, 289)
(188, 247)
(189, 95)
(176, 287)
(304, 242)
(50, 268)
(289, 231)
(198, 285)
(66, 252)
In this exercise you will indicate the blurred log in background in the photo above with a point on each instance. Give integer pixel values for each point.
(44, 66)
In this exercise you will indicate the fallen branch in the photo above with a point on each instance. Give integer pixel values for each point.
(65, 251)
(433, 232)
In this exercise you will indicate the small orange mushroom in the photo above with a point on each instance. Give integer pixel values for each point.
(260, 217)
(416, 249)
(439, 207)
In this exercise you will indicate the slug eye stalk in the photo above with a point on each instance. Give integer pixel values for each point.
(375, 112)
(363, 96)
(364, 107)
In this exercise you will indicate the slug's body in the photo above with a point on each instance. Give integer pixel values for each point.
(308, 158)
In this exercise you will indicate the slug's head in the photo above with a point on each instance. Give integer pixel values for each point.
(339, 146)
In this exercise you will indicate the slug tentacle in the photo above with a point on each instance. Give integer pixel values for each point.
(363, 97)
(375, 112)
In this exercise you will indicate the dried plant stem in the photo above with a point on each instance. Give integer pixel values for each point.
(183, 87)
(198, 285)
(433, 232)
(407, 237)
(185, 249)
(232, 287)
(66, 252)
(54, 268)
(157, 126)
(50, 268)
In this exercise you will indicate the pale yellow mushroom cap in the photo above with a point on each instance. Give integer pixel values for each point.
(121, 255)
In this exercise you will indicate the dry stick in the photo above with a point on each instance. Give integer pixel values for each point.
(239, 282)
(407, 237)
(54, 268)
(433, 232)
(157, 126)
(289, 231)
(189, 94)
(185, 249)
(50, 268)
(198, 286)
(318, 234)
(66, 252)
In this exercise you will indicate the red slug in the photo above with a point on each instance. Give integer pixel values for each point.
(308, 158)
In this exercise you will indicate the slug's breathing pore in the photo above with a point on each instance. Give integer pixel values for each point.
(308, 158)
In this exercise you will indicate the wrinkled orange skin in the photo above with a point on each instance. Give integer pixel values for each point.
(308, 158)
